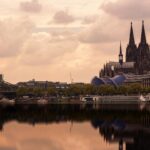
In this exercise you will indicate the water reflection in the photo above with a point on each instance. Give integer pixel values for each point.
(65, 127)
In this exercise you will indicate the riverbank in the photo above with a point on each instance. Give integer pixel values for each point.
(120, 99)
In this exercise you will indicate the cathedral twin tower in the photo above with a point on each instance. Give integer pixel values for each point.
(137, 58)
(141, 54)
(136, 68)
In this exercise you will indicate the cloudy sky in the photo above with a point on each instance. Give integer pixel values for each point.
(49, 39)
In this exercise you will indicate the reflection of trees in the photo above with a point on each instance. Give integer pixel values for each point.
(33, 114)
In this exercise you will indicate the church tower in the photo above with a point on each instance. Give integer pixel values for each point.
(131, 51)
(120, 55)
(143, 61)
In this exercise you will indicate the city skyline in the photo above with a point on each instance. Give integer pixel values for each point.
(48, 40)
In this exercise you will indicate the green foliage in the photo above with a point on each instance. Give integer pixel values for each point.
(85, 89)
(38, 92)
(134, 89)
(22, 91)
(51, 91)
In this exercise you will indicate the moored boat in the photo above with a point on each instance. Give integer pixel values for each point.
(142, 98)
(42, 101)
(89, 98)
(7, 101)
(148, 97)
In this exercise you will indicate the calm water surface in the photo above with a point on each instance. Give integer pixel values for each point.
(75, 127)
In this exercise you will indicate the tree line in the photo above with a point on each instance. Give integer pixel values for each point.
(84, 89)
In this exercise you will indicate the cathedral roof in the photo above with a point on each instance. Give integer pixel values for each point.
(118, 65)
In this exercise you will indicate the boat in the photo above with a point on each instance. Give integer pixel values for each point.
(42, 101)
(7, 101)
(119, 99)
(142, 98)
(89, 98)
(148, 97)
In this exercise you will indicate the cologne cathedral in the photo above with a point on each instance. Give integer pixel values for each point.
(137, 58)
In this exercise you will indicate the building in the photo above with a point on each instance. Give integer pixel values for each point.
(115, 81)
(137, 58)
(144, 79)
(125, 79)
(135, 68)
(42, 84)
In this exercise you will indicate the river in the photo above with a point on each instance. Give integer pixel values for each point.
(75, 127)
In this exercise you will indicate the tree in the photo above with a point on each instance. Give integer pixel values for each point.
(22, 91)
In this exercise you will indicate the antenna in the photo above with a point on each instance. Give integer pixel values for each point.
(71, 79)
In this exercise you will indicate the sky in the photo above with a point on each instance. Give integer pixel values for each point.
(50, 39)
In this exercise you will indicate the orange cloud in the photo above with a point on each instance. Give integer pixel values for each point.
(63, 17)
(31, 6)
(127, 9)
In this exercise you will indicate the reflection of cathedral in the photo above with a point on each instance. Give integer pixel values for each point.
(137, 58)
(135, 136)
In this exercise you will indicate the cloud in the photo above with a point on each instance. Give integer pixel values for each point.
(47, 48)
(53, 49)
(103, 32)
(31, 6)
(90, 19)
(128, 9)
(13, 34)
(63, 17)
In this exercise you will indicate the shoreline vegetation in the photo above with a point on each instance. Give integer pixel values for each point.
(74, 91)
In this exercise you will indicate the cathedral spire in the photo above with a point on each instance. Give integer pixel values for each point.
(131, 39)
(120, 55)
(143, 36)
(120, 49)
(131, 50)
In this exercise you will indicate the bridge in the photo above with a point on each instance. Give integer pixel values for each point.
(7, 89)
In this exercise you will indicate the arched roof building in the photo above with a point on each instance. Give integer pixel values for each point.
(97, 81)
(115, 81)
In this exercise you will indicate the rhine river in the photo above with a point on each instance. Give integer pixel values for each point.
(75, 127)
